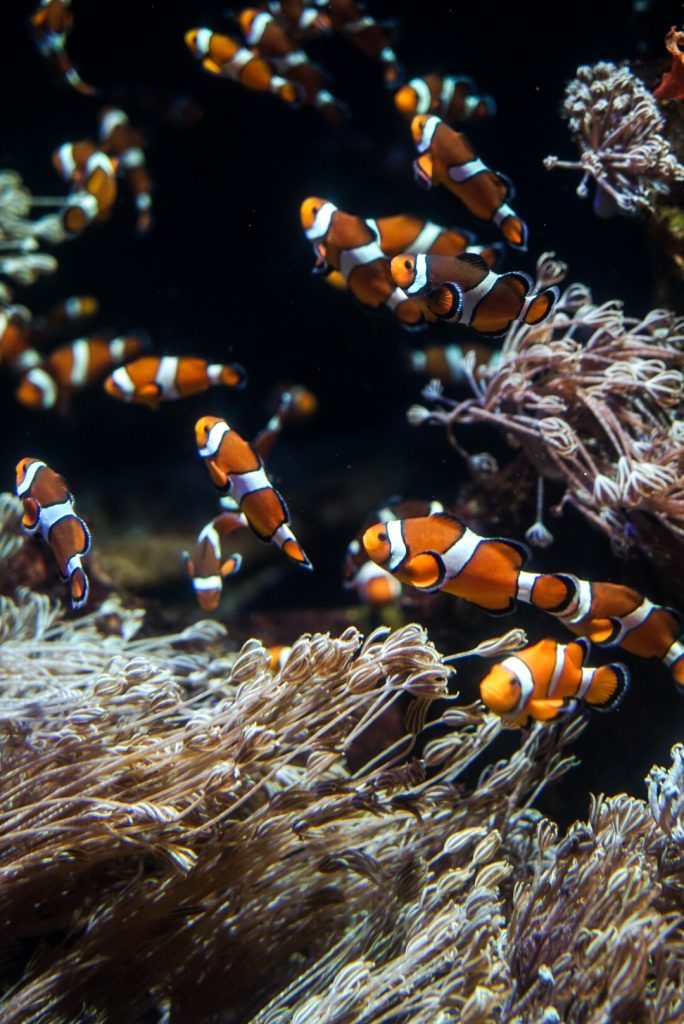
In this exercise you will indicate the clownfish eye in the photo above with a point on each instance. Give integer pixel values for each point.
(407, 264)
(314, 210)
(382, 537)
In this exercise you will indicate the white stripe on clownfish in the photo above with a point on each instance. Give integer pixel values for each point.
(398, 548)
(523, 673)
(202, 40)
(52, 514)
(165, 377)
(350, 258)
(133, 157)
(207, 582)
(462, 172)
(258, 27)
(446, 95)
(459, 554)
(321, 223)
(396, 298)
(422, 91)
(420, 278)
(559, 665)
(209, 533)
(121, 378)
(214, 438)
(429, 129)
(242, 484)
(45, 383)
(80, 362)
(27, 483)
(426, 238)
(111, 120)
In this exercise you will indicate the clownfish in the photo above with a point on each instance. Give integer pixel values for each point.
(295, 404)
(448, 363)
(70, 368)
(49, 509)
(208, 569)
(223, 56)
(463, 289)
(16, 350)
(300, 20)
(439, 552)
(266, 38)
(612, 615)
(119, 139)
(542, 681)
(453, 98)
(95, 196)
(52, 23)
(369, 36)
(154, 379)
(234, 465)
(403, 233)
(278, 654)
(71, 158)
(65, 315)
(447, 158)
(373, 585)
(348, 245)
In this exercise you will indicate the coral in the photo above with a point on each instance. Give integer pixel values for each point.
(594, 398)
(175, 815)
(617, 126)
(11, 538)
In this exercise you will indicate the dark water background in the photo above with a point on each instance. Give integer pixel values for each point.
(225, 274)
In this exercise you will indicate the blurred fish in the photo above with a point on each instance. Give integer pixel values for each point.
(295, 404)
(94, 197)
(612, 615)
(234, 465)
(451, 363)
(154, 379)
(542, 681)
(463, 289)
(16, 349)
(300, 20)
(447, 158)
(208, 569)
(347, 244)
(73, 367)
(49, 510)
(269, 40)
(52, 23)
(453, 98)
(124, 143)
(403, 233)
(223, 56)
(64, 316)
(368, 35)
(278, 654)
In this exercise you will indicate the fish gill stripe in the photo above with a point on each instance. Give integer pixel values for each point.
(203, 40)
(420, 275)
(46, 383)
(462, 172)
(431, 126)
(398, 549)
(321, 224)
(111, 120)
(350, 258)
(457, 556)
(558, 666)
(214, 438)
(66, 159)
(423, 95)
(396, 298)
(27, 483)
(259, 26)
(123, 381)
(522, 672)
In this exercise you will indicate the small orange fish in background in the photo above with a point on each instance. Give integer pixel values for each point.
(612, 615)
(94, 197)
(347, 244)
(223, 56)
(208, 569)
(269, 40)
(16, 329)
(49, 510)
(403, 233)
(125, 144)
(301, 20)
(447, 158)
(295, 404)
(278, 654)
(454, 98)
(154, 379)
(463, 289)
(448, 363)
(368, 35)
(52, 22)
(73, 367)
(64, 316)
(542, 681)
(234, 465)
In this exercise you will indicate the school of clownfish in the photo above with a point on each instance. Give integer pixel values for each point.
(422, 273)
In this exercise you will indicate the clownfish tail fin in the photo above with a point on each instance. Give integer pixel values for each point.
(541, 305)
(233, 375)
(608, 687)
(79, 588)
(674, 659)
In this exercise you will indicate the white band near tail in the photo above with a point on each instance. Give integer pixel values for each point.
(461, 172)
(585, 683)
(502, 213)
(673, 653)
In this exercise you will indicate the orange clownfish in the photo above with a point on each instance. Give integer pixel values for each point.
(369, 36)
(348, 245)
(542, 681)
(269, 40)
(223, 56)
(95, 196)
(448, 363)
(453, 98)
(52, 23)
(447, 158)
(612, 615)
(119, 139)
(70, 160)
(234, 465)
(154, 379)
(463, 289)
(278, 655)
(439, 552)
(49, 509)
(373, 585)
(403, 233)
(295, 404)
(208, 569)
(16, 329)
(70, 368)
(65, 315)
(301, 20)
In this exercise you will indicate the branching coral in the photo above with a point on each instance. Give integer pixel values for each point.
(594, 398)
(617, 126)
(184, 831)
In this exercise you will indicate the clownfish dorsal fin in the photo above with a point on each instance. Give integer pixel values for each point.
(425, 571)
(521, 550)
(211, 66)
(521, 283)
(475, 260)
(440, 513)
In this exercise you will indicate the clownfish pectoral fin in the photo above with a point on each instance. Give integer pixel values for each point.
(446, 301)
(608, 687)
(218, 476)
(211, 66)
(514, 230)
(422, 170)
(545, 710)
(604, 632)
(541, 305)
(231, 565)
(425, 571)
(150, 394)
(31, 516)
(79, 589)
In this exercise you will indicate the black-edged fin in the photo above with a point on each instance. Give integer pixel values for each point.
(446, 301)
(474, 260)
(510, 607)
(541, 306)
(613, 698)
(517, 545)
(510, 187)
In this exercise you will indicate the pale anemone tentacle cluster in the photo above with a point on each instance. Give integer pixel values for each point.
(22, 235)
(618, 127)
(594, 398)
